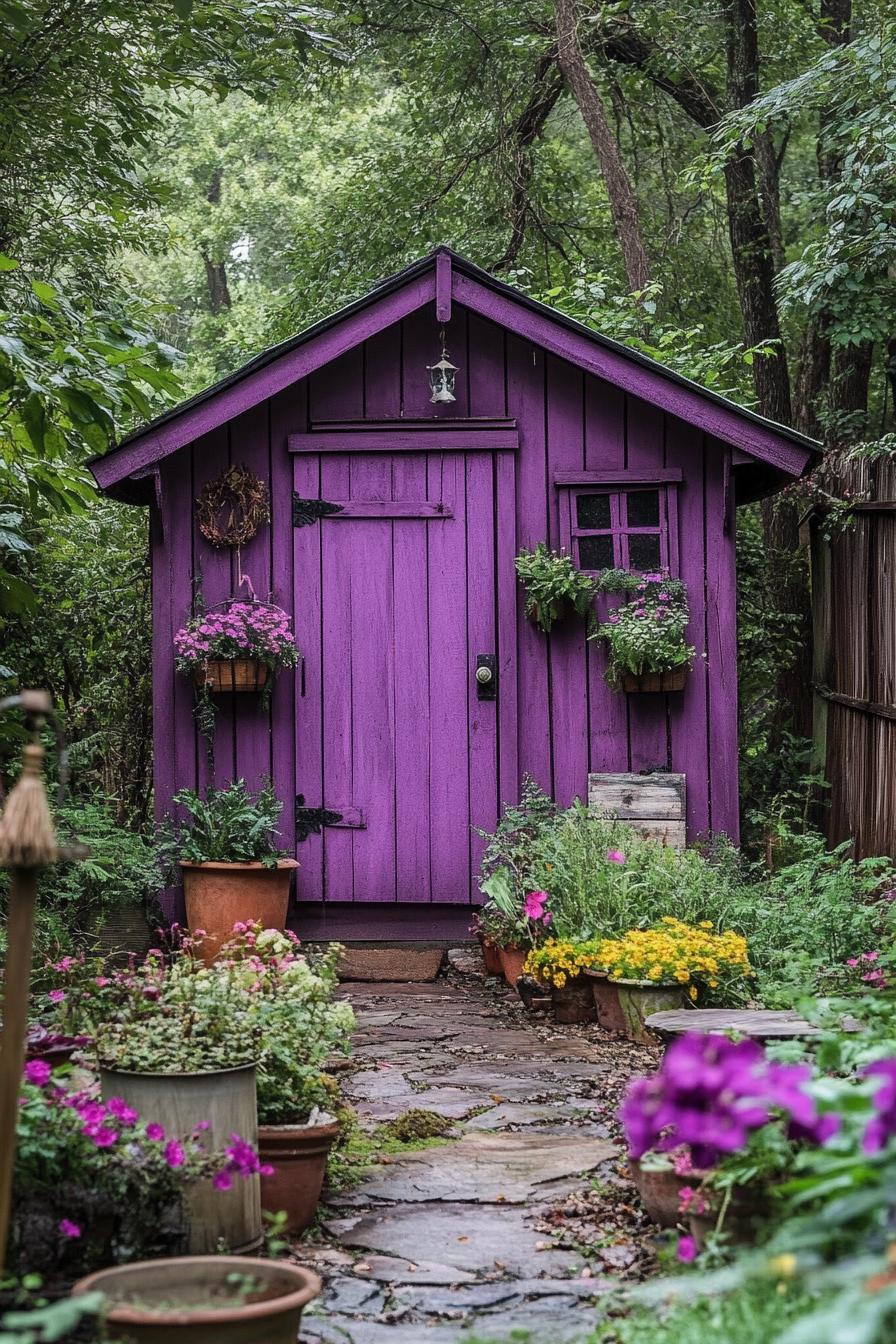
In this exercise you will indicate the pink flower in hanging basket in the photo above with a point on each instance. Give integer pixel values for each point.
(249, 630)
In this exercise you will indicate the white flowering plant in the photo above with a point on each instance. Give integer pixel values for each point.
(647, 633)
(300, 1022)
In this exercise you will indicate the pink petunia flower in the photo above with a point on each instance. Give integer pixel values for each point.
(222, 1180)
(155, 1132)
(56, 996)
(69, 1229)
(174, 1154)
(615, 856)
(37, 1072)
(687, 1250)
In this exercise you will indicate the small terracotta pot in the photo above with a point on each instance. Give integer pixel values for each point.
(606, 1001)
(655, 681)
(189, 1300)
(232, 674)
(512, 959)
(491, 955)
(746, 1211)
(658, 1188)
(219, 895)
(574, 1002)
(639, 998)
(298, 1154)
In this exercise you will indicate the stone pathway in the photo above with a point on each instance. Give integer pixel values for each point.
(483, 1235)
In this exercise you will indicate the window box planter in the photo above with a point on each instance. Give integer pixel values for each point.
(639, 998)
(232, 674)
(674, 680)
(219, 895)
(298, 1154)
(197, 1298)
(225, 1099)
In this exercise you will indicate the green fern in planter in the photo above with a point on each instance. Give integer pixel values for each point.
(227, 826)
(553, 585)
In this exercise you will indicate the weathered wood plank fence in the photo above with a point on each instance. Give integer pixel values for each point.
(854, 619)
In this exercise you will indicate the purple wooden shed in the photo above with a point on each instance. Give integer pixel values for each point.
(398, 593)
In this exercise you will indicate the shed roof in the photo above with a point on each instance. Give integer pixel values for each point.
(779, 453)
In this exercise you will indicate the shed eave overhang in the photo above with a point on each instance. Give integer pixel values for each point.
(784, 451)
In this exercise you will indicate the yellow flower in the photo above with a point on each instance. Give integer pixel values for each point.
(692, 993)
(783, 1266)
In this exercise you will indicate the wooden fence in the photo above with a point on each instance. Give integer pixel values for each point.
(854, 665)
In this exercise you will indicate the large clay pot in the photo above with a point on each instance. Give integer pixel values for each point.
(574, 1003)
(189, 1300)
(219, 895)
(639, 998)
(298, 1154)
(512, 959)
(226, 1100)
(606, 1001)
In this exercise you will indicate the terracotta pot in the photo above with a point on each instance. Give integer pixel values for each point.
(655, 681)
(639, 998)
(298, 1154)
(512, 959)
(746, 1211)
(574, 1002)
(232, 674)
(491, 955)
(606, 1001)
(219, 895)
(225, 1100)
(658, 1188)
(189, 1300)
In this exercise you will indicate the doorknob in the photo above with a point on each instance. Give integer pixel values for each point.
(486, 676)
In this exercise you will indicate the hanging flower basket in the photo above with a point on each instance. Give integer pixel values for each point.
(237, 646)
(237, 674)
(673, 680)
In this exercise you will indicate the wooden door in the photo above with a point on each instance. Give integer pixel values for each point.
(401, 589)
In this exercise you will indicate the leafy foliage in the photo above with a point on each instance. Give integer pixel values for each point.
(553, 585)
(229, 825)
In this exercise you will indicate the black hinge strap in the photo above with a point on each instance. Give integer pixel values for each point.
(310, 820)
(308, 511)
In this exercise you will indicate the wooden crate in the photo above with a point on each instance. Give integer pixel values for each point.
(654, 805)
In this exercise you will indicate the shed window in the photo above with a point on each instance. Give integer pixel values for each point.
(624, 528)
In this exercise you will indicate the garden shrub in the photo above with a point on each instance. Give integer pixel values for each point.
(121, 869)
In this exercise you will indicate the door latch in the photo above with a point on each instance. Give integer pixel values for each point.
(486, 676)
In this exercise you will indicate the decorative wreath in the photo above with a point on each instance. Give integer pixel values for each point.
(231, 509)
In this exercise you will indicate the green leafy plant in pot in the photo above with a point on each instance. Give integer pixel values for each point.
(232, 870)
(179, 1041)
(300, 1025)
(554, 587)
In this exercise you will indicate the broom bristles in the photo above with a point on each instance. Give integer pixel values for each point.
(27, 834)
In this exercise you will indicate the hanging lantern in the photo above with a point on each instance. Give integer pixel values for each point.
(442, 376)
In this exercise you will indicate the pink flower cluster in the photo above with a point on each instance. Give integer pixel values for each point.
(242, 630)
(534, 908)
(876, 977)
(242, 1160)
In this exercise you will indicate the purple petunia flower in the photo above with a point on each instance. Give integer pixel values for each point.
(155, 1132)
(883, 1126)
(37, 1072)
(69, 1229)
(174, 1154)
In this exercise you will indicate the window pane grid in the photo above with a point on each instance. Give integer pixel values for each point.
(634, 536)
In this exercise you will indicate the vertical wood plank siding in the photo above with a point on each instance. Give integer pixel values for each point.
(556, 718)
(853, 578)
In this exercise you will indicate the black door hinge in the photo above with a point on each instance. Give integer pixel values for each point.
(310, 820)
(308, 511)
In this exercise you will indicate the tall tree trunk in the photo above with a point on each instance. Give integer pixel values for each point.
(751, 245)
(623, 205)
(216, 268)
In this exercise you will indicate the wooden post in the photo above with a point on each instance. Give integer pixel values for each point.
(27, 844)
